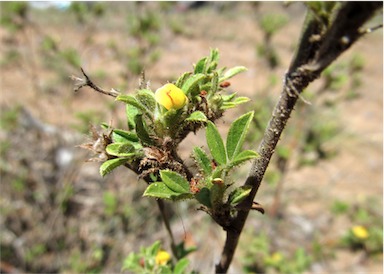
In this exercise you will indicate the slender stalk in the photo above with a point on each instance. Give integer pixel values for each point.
(161, 205)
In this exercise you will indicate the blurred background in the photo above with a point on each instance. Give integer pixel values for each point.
(322, 192)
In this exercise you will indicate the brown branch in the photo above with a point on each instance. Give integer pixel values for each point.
(305, 67)
(87, 82)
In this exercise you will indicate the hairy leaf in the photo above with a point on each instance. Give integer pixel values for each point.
(237, 133)
(141, 130)
(239, 194)
(191, 86)
(131, 100)
(234, 103)
(200, 66)
(202, 160)
(121, 136)
(232, 72)
(110, 165)
(215, 144)
(204, 197)
(197, 116)
(181, 266)
(175, 181)
(159, 190)
(131, 113)
(242, 157)
(180, 82)
(162, 191)
(121, 149)
(215, 82)
(147, 98)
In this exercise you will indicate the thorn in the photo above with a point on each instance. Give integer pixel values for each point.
(258, 207)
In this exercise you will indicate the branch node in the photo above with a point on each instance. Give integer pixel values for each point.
(290, 87)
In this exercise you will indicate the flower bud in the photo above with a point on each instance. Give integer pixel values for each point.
(170, 96)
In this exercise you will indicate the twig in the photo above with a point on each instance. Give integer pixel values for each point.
(164, 216)
(87, 82)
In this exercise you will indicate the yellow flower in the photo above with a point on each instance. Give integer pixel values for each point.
(162, 257)
(276, 257)
(360, 232)
(170, 96)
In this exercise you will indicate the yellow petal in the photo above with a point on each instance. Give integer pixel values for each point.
(170, 96)
(360, 232)
(162, 257)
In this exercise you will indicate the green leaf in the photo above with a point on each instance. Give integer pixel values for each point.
(122, 136)
(239, 194)
(131, 113)
(217, 194)
(242, 157)
(110, 165)
(228, 98)
(237, 133)
(147, 98)
(215, 144)
(232, 72)
(162, 191)
(214, 55)
(202, 160)
(121, 149)
(197, 116)
(204, 197)
(207, 86)
(131, 100)
(153, 249)
(181, 266)
(191, 86)
(200, 66)
(159, 190)
(141, 131)
(231, 104)
(180, 82)
(212, 66)
(215, 82)
(175, 181)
